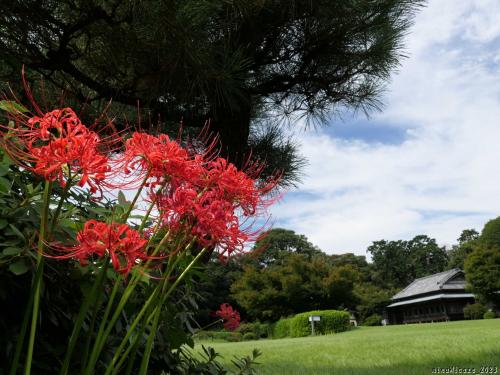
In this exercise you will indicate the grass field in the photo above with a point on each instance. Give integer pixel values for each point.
(398, 350)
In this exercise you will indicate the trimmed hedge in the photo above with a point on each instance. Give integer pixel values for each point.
(332, 321)
(281, 328)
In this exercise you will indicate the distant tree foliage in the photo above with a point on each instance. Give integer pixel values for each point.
(213, 287)
(297, 284)
(286, 274)
(372, 299)
(490, 235)
(459, 252)
(482, 265)
(397, 263)
(426, 256)
(237, 62)
(278, 243)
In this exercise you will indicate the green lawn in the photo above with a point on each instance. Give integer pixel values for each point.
(404, 349)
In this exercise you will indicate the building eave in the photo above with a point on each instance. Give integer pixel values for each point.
(432, 298)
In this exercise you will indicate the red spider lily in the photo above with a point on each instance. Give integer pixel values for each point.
(205, 199)
(159, 156)
(125, 246)
(64, 122)
(230, 316)
(206, 216)
(216, 224)
(237, 186)
(57, 146)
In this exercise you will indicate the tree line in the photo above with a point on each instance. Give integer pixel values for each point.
(285, 274)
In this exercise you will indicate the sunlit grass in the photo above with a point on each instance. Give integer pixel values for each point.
(404, 349)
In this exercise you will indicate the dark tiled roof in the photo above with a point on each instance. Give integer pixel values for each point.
(432, 283)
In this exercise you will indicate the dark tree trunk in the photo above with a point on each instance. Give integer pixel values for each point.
(233, 128)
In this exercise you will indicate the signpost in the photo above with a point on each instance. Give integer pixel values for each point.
(312, 319)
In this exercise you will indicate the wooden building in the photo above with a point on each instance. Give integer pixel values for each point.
(434, 298)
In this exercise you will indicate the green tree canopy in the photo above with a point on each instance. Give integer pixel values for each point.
(372, 299)
(296, 285)
(490, 235)
(426, 256)
(466, 244)
(278, 243)
(235, 62)
(397, 263)
(482, 265)
(482, 272)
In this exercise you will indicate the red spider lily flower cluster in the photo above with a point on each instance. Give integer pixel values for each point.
(198, 196)
(203, 197)
(124, 245)
(57, 146)
(158, 156)
(230, 316)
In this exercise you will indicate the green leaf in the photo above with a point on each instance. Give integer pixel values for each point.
(3, 223)
(4, 185)
(121, 198)
(19, 267)
(4, 169)
(11, 251)
(6, 160)
(12, 107)
(16, 231)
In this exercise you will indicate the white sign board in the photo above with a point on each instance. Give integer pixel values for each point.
(314, 318)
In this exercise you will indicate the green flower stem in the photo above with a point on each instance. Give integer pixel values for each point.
(131, 359)
(38, 275)
(95, 312)
(137, 195)
(89, 299)
(38, 281)
(133, 346)
(24, 327)
(170, 267)
(60, 204)
(132, 284)
(149, 346)
(146, 216)
(150, 342)
(150, 208)
(103, 333)
(132, 327)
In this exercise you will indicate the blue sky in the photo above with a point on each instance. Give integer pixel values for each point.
(428, 163)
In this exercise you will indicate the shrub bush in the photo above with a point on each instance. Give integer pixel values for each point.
(299, 326)
(234, 337)
(489, 315)
(249, 336)
(372, 320)
(260, 330)
(281, 328)
(203, 335)
(245, 328)
(219, 335)
(474, 311)
(265, 330)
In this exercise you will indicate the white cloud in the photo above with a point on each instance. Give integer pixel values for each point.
(443, 178)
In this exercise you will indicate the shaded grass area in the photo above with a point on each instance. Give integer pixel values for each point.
(404, 349)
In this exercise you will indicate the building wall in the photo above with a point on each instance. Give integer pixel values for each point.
(432, 311)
